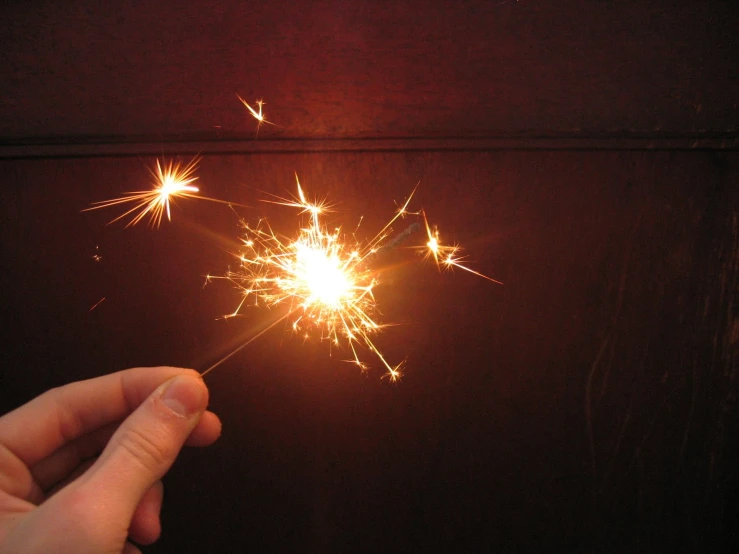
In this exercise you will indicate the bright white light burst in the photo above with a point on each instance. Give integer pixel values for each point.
(324, 282)
(171, 180)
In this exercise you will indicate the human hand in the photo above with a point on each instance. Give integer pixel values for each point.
(80, 465)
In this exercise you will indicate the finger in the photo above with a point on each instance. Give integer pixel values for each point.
(58, 416)
(78, 471)
(145, 524)
(145, 445)
(63, 414)
(15, 478)
(206, 432)
(128, 548)
(50, 471)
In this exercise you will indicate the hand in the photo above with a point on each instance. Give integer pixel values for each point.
(80, 466)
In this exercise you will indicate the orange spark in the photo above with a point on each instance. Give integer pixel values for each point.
(256, 114)
(171, 180)
(445, 255)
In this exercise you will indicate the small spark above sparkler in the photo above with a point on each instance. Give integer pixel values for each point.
(172, 180)
(256, 114)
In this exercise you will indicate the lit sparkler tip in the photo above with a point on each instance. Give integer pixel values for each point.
(326, 283)
(323, 279)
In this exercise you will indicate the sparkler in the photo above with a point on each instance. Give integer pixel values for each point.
(325, 282)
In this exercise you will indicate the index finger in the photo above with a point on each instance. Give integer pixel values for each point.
(60, 415)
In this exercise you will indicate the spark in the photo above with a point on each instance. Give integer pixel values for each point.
(171, 180)
(323, 280)
(256, 114)
(445, 256)
(97, 304)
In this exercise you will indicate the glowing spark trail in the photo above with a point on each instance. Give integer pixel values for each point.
(258, 115)
(446, 256)
(172, 180)
(97, 304)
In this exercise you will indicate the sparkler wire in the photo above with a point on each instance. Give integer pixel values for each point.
(247, 343)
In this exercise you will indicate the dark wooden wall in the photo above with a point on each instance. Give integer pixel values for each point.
(368, 69)
(584, 154)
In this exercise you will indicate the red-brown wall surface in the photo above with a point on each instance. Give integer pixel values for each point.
(584, 154)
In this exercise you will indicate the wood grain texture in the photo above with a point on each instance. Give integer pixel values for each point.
(335, 69)
(589, 404)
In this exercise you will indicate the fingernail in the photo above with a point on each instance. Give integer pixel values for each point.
(185, 395)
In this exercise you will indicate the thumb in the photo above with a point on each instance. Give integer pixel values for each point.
(146, 444)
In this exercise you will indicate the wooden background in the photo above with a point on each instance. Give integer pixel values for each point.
(331, 69)
(584, 153)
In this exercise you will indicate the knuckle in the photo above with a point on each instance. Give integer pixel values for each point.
(145, 449)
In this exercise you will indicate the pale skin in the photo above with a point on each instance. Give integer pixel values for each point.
(81, 465)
